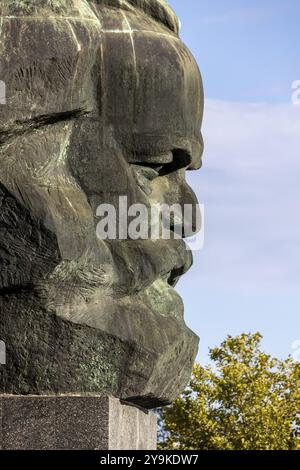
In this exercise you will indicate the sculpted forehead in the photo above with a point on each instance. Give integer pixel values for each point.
(54, 54)
(157, 92)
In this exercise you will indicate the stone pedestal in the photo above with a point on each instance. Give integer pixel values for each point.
(74, 423)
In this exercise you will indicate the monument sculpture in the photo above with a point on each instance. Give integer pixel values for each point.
(102, 100)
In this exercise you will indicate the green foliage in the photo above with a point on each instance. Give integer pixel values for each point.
(245, 400)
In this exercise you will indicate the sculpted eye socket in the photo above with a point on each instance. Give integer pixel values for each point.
(181, 159)
(152, 167)
(145, 172)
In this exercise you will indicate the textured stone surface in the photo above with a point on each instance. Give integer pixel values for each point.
(74, 423)
(102, 100)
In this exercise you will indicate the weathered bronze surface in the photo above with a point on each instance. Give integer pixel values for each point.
(102, 100)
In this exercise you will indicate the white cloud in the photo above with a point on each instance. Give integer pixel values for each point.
(253, 13)
(250, 186)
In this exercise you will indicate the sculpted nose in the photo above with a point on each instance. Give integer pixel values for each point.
(181, 193)
(191, 211)
(178, 195)
(172, 189)
(196, 153)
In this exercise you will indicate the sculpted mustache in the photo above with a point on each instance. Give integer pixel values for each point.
(138, 264)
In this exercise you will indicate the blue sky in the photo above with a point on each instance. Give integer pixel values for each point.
(247, 277)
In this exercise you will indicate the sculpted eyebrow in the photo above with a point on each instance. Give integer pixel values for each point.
(21, 127)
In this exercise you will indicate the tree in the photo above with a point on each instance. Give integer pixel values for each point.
(245, 400)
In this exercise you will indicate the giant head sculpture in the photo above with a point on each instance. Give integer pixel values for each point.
(103, 101)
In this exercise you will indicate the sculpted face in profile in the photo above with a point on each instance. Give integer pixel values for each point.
(103, 100)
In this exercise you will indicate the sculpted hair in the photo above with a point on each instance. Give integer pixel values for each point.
(157, 9)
